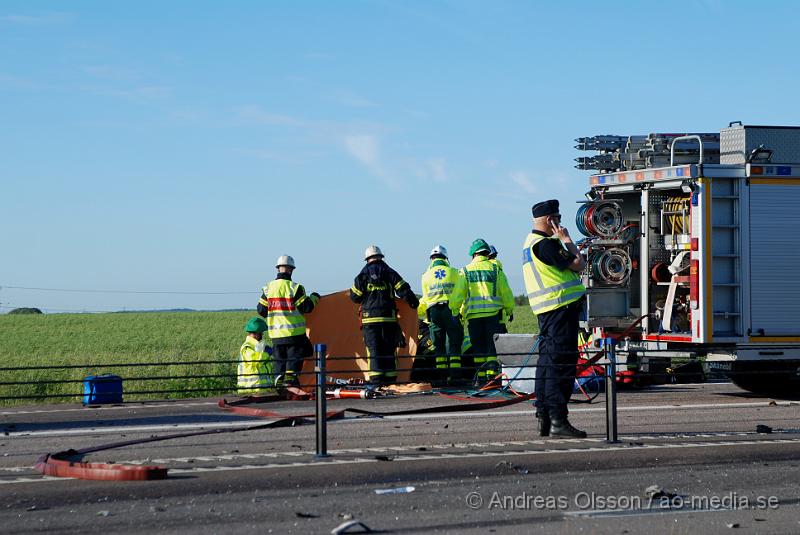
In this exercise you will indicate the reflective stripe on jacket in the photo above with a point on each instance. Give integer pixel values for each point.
(483, 290)
(283, 318)
(374, 289)
(438, 284)
(548, 287)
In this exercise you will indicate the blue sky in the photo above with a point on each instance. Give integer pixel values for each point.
(182, 146)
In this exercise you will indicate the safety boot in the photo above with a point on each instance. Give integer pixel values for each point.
(543, 422)
(562, 428)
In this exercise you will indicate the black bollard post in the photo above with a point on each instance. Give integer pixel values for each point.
(322, 402)
(611, 391)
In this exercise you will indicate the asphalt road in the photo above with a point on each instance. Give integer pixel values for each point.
(476, 472)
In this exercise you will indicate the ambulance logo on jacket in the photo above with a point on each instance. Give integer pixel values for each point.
(439, 274)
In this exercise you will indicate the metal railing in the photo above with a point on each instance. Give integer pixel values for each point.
(605, 356)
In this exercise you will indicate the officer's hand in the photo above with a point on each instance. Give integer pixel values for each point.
(559, 232)
(315, 295)
(510, 318)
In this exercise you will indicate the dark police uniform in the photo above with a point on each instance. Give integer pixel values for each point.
(558, 342)
(555, 294)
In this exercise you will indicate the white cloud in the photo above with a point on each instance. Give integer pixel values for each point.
(256, 114)
(420, 114)
(50, 17)
(365, 148)
(524, 181)
(108, 72)
(318, 56)
(353, 100)
(16, 82)
(359, 141)
(142, 92)
(437, 169)
(270, 154)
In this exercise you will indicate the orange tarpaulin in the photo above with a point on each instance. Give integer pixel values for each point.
(335, 322)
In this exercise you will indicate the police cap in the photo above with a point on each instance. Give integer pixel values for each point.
(545, 208)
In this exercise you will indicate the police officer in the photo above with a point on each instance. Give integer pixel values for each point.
(481, 294)
(283, 303)
(551, 268)
(446, 331)
(374, 288)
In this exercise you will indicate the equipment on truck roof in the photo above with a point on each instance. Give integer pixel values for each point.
(627, 153)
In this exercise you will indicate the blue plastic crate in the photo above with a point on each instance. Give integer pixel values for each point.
(100, 389)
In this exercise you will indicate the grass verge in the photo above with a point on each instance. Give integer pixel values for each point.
(173, 342)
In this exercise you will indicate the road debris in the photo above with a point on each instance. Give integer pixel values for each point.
(396, 490)
(655, 492)
(348, 527)
(505, 465)
(300, 514)
(763, 429)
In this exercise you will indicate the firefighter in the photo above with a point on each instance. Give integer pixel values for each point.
(374, 288)
(255, 365)
(501, 316)
(446, 331)
(283, 302)
(551, 267)
(481, 293)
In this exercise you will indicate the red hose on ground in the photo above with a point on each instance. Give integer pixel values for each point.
(68, 463)
(54, 466)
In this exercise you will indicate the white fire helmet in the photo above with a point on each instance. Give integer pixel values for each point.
(440, 250)
(372, 250)
(285, 260)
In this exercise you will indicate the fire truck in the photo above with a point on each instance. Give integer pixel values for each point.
(693, 249)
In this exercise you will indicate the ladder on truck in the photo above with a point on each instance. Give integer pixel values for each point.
(726, 266)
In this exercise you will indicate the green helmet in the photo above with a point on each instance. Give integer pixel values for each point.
(478, 246)
(255, 325)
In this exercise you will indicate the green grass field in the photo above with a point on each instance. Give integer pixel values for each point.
(88, 340)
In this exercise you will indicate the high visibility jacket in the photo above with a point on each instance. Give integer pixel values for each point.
(422, 312)
(285, 303)
(498, 262)
(482, 290)
(254, 369)
(438, 283)
(375, 287)
(547, 286)
(466, 345)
